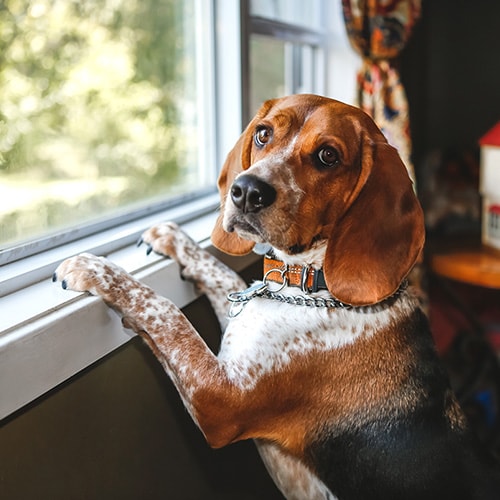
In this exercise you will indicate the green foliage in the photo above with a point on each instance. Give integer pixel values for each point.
(92, 92)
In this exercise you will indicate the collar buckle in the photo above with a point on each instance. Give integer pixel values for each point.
(304, 278)
(318, 280)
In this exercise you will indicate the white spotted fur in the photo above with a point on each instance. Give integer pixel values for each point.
(291, 476)
(267, 333)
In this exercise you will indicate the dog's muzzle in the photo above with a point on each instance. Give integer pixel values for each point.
(250, 194)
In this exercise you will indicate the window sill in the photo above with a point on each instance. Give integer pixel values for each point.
(48, 334)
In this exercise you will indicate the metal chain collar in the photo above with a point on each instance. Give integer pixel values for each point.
(304, 300)
(261, 289)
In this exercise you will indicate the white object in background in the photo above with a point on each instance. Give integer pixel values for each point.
(489, 186)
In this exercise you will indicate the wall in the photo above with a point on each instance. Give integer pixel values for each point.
(451, 70)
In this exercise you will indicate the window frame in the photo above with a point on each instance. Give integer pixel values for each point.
(317, 39)
(50, 334)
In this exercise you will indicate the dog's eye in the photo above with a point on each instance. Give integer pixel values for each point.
(262, 136)
(328, 156)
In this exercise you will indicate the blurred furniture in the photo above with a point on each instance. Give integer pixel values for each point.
(478, 266)
(472, 357)
(467, 263)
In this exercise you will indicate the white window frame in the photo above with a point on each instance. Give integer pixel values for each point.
(48, 334)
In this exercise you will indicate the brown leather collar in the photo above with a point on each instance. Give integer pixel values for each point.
(308, 279)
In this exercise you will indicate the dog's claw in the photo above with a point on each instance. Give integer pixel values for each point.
(149, 248)
(54, 277)
(64, 284)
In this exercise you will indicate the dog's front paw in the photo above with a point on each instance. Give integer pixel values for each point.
(88, 273)
(168, 239)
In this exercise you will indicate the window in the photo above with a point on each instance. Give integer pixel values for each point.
(287, 49)
(292, 12)
(104, 110)
(114, 114)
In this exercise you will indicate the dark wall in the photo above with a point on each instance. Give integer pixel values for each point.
(119, 431)
(451, 70)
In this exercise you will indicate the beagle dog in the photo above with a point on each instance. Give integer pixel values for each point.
(328, 362)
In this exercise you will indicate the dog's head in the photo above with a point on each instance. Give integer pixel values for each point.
(310, 172)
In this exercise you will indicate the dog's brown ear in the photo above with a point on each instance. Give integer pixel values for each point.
(237, 160)
(378, 240)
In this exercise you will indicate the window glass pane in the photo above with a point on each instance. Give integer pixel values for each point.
(278, 68)
(299, 12)
(267, 70)
(99, 109)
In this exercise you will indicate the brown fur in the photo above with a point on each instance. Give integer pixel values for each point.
(359, 269)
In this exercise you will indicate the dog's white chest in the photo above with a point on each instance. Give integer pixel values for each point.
(266, 335)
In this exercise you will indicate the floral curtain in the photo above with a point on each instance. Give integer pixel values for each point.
(379, 30)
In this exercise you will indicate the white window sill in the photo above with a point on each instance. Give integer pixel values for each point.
(48, 334)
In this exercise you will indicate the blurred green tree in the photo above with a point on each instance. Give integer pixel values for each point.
(93, 96)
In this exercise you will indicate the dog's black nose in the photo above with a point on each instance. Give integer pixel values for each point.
(250, 194)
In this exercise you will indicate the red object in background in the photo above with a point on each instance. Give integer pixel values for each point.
(492, 137)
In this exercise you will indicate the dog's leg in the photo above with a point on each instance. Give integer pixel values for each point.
(208, 274)
(199, 377)
(290, 475)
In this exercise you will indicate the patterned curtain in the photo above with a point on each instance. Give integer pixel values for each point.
(379, 30)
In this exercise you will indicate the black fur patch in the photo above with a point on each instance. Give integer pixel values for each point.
(412, 456)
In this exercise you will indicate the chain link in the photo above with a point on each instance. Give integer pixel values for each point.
(303, 300)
